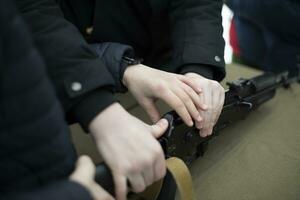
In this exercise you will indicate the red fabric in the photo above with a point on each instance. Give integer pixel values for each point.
(234, 40)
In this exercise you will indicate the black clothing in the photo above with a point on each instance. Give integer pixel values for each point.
(83, 83)
(63, 190)
(112, 55)
(35, 146)
(191, 28)
(264, 38)
(196, 39)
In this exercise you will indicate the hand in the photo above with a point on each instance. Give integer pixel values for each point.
(147, 84)
(129, 147)
(213, 96)
(84, 175)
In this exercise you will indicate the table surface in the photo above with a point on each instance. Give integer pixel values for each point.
(255, 159)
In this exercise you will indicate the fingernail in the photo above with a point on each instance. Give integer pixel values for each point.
(191, 123)
(205, 106)
(163, 122)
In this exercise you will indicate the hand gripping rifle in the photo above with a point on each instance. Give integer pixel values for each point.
(242, 97)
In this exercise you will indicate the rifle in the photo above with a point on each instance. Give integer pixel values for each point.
(242, 97)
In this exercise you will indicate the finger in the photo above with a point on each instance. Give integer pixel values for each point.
(148, 175)
(158, 129)
(222, 101)
(208, 114)
(199, 125)
(100, 194)
(218, 101)
(204, 114)
(194, 96)
(85, 168)
(190, 106)
(149, 106)
(206, 132)
(137, 183)
(208, 126)
(192, 82)
(175, 102)
(120, 186)
(160, 168)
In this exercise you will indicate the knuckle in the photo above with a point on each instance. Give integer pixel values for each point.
(160, 87)
(124, 168)
(181, 77)
(222, 89)
(148, 161)
(199, 126)
(209, 108)
(215, 84)
(157, 151)
(132, 167)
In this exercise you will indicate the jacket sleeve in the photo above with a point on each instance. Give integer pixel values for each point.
(198, 45)
(112, 55)
(66, 190)
(83, 83)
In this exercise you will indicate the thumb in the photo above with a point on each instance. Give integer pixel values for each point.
(149, 106)
(85, 168)
(159, 128)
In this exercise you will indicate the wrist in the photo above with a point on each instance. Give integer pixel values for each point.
(127, 76)
(107, 117)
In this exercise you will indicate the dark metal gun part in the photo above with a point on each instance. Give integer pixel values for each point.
(243, 96)
(104, 178)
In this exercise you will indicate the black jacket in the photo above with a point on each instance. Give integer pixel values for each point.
(36, 154)
(196, 34)
(83, 83)
(191, 28)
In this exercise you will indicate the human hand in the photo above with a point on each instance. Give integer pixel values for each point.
(129, 147)
(148, 84)
(213, 95)
(84, 175)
